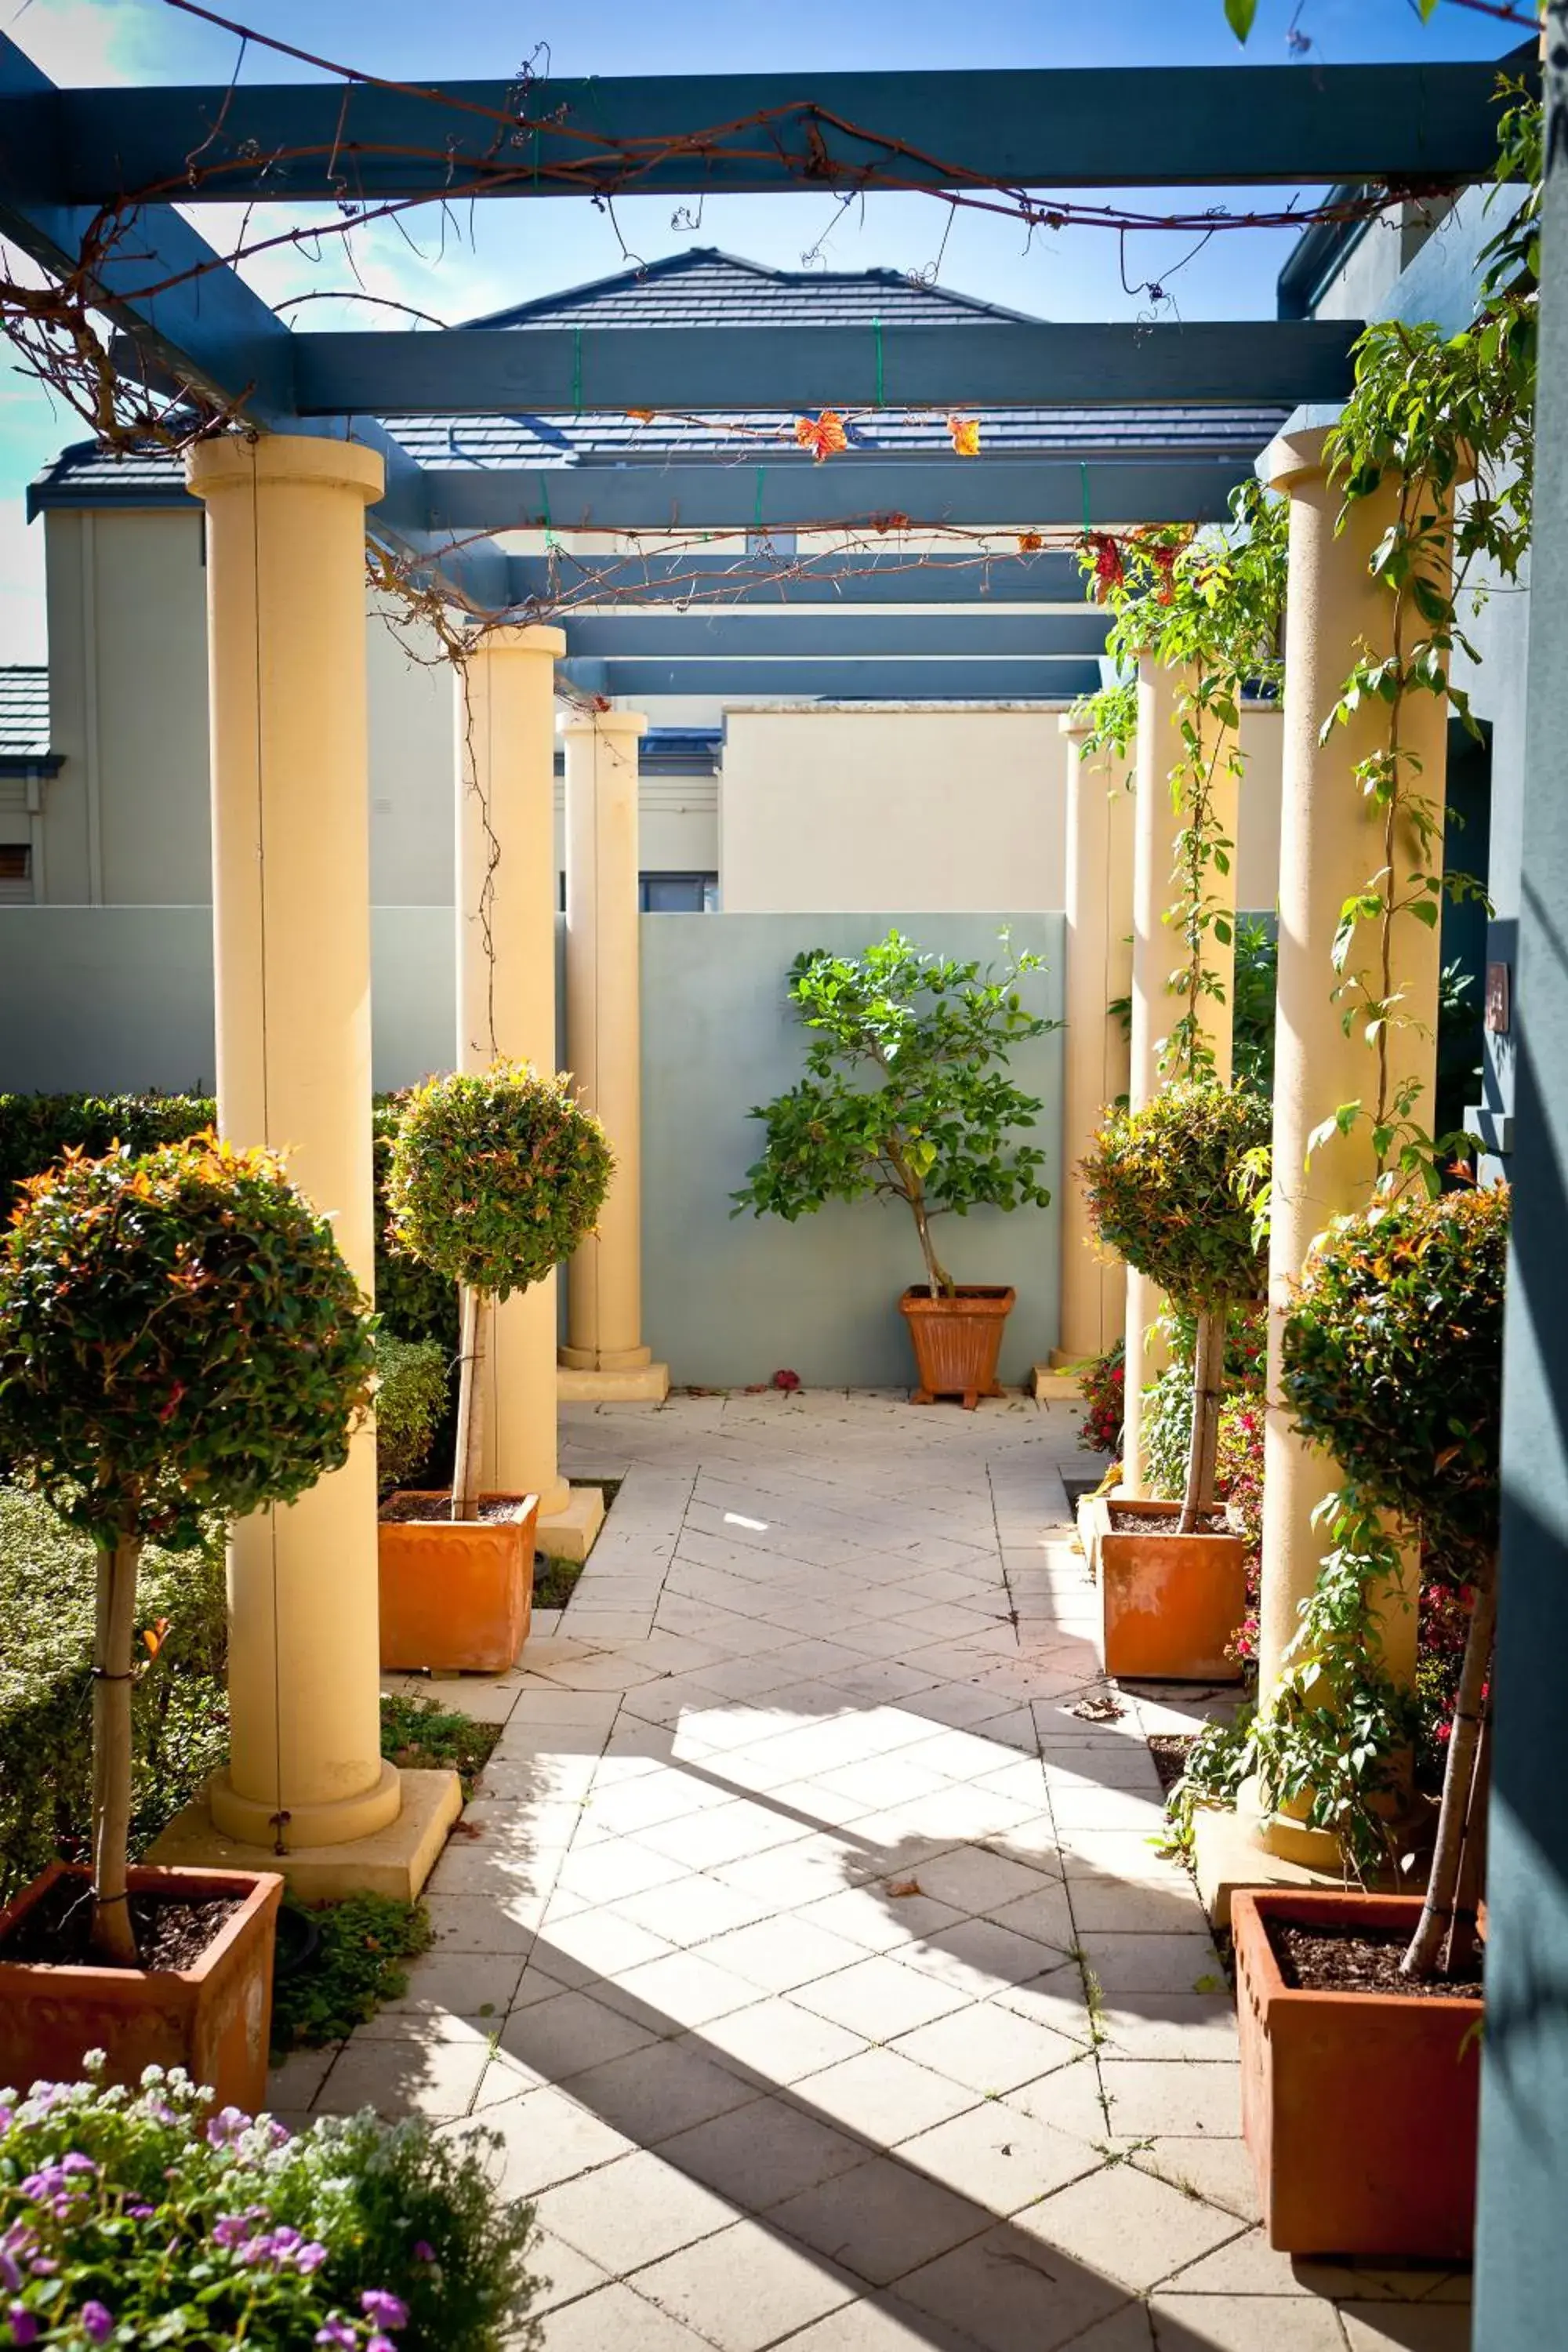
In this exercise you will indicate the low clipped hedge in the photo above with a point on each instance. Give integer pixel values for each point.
(179, 1714)
(36, 1129)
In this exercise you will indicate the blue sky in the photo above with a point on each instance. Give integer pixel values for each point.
(519, 249)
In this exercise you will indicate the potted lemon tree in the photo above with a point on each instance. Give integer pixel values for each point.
(906, 1097)
(180, 1340)
(1360, 2012)
(495, 1177)
(1170, 1189)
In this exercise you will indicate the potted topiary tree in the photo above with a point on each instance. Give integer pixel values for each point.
(906, 1097)
(1361, 2013)
(1170, 1189)
(495, 1177)
(179, 1340)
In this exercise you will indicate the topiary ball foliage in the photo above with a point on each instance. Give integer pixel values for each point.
(1393, 1362)
(179, 1337)
(1164, 1187)
(497, 1175)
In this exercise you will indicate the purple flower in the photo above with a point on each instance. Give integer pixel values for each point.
(23, 2327)
(232, 2230)
(424, 2252)
(140, 2212)
(383, 2308)
(310, 2258)
(226, 2127)
(97, 2324)
(379, 2343)
(10, 2273)
(336, 2331)
(74, 2162)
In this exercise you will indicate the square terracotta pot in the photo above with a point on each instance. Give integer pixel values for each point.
(1172, 1604)
(214, 2019)
(1359, 2108)
(957, 1341)
(456, 1594)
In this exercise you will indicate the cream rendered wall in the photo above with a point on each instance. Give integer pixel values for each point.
(1257, 816)
(126, 820)
(826, 808)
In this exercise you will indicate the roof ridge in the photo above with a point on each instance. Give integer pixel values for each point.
(567, 298)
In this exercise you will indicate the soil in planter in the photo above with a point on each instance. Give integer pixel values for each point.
(1357, 1959)
(172, 1931)
(495, 1510)
(1124, 1522)
(1170, 1750)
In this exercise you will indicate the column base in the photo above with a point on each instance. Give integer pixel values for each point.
(569, 1534)
(1229, 1855)
(393, 1861)
(605, 1359)
(647, 1383)
(1051, 1384)
(253, 1820)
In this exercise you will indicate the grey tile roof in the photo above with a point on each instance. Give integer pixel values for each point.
(25, 715)
(712, 289)
(705, 288)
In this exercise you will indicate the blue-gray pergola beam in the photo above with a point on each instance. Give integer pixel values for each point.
(1159, 126)
(1522, 2245)
(1047, 679)
(802, 635)
(780, 579)
(195, 321)
(468, 372)
(1007, 493)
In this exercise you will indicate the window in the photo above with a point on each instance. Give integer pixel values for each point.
(15, 874)
(677, 894)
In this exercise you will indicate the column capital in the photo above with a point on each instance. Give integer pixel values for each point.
(246, 461)
(577, 726)
(521, 637)
(1292, 456)
(1074, 722)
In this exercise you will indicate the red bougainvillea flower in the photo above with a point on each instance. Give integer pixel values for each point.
(824, 435)
(966, 433)
(1164, 564)
(786, 1380)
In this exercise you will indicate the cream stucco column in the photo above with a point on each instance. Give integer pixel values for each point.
(1099, 825)
(604, 1354)
(285, 569)
(506, 993)
(1157, 952)
(1330, 847)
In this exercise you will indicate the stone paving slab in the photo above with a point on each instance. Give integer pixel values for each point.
(811, 1955)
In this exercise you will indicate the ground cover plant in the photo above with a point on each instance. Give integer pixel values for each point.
(179, 1336)
(906, 1095)
(1171, 1188)
(137, 2218)
(352, 1960)
(494, 1178)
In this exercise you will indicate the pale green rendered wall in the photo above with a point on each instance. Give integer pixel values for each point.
(726, 1303)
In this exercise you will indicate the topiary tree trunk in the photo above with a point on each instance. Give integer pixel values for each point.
(1446, 1937)
(114, 1627)
(467, 1464)
(1208, 1394)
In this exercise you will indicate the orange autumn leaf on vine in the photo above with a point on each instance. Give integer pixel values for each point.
(965, 432)
(1030, 543)
(643, 416)
(824, 435)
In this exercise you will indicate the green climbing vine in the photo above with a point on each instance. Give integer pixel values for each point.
(1446, 423)
(1207, 607)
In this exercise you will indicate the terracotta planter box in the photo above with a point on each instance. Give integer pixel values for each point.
(456, 1594)
(1172, 1604)
(1359, 2108)
(957, 1341)
(213, 2019)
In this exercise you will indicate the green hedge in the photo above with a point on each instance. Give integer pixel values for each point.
(179, 1714)
(35, 1129)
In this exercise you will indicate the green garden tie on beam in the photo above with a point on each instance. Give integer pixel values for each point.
(876, 332)
(544, 502)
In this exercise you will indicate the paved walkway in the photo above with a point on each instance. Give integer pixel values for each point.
(806, 1944)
